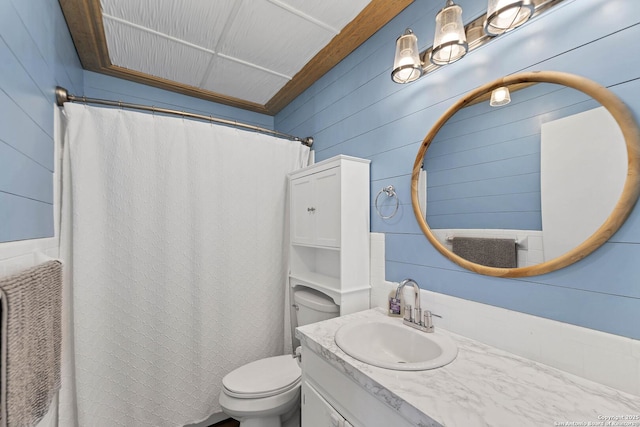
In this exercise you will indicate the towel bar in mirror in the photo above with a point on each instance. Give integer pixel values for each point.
(469, 195)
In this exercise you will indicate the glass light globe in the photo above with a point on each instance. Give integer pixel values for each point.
(505, 15)
(407, 66)
(450, 41)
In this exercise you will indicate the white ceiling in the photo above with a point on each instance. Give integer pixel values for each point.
(245, 49)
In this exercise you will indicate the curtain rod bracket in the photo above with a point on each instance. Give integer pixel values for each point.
(62, 96)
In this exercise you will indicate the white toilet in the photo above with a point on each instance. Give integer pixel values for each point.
(266, 393)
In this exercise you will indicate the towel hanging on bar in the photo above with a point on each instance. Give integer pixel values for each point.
(501, 253)
(30, 345)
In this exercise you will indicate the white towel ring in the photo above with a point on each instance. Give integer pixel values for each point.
(390, 192)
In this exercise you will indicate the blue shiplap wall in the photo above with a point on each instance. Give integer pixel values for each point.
(36, 55)
(483, 166)
(355, 109)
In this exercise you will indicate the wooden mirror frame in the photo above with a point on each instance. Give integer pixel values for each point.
(621, 210)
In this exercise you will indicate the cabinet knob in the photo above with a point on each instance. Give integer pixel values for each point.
(311, 209)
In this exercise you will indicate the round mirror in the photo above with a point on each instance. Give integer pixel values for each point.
(530, 187)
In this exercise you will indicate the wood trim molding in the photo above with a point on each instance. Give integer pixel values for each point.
(371, 19)
(146, 79)
(620, 212)
(84, 19)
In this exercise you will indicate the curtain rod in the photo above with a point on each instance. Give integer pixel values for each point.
(62, 96)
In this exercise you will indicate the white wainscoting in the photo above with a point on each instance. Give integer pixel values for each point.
(20, 255)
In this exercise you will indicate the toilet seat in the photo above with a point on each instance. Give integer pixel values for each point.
(263, 378)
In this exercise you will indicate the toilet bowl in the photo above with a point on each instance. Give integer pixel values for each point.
(262, 393)
(266, 392)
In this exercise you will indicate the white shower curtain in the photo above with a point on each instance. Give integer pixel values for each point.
(175, 233)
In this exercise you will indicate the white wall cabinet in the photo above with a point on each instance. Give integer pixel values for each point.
(329, 230)
(315, 209)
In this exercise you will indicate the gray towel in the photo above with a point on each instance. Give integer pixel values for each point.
(489, 252)
(30, 344)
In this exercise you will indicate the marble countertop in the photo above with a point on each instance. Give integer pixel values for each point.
(483, 386)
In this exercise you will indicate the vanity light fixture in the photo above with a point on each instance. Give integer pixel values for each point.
(407, 66)
(450, 41)
(453, 39)
(500, 97)
(505, 15)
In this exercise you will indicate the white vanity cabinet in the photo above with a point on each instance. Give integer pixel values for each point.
(329, 230)
(331, 398)
(514, 392)
(317, 412)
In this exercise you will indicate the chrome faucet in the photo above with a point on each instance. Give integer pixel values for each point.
(413, 315)
(416, 301)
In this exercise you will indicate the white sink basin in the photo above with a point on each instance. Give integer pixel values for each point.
(392, 345)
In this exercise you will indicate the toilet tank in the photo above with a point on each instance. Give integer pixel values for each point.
(313, 306)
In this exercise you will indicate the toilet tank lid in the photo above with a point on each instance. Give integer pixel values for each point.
(315, 300)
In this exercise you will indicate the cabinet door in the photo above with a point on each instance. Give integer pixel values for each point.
(316, 412)
(302, 213)
(327, 204)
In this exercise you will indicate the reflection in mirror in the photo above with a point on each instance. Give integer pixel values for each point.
(533, 186)
(485, 175)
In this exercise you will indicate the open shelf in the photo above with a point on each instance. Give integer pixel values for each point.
(317, 281)
(320, 262)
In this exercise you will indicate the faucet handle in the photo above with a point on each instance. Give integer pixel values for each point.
(408, 313)
(428, 322)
